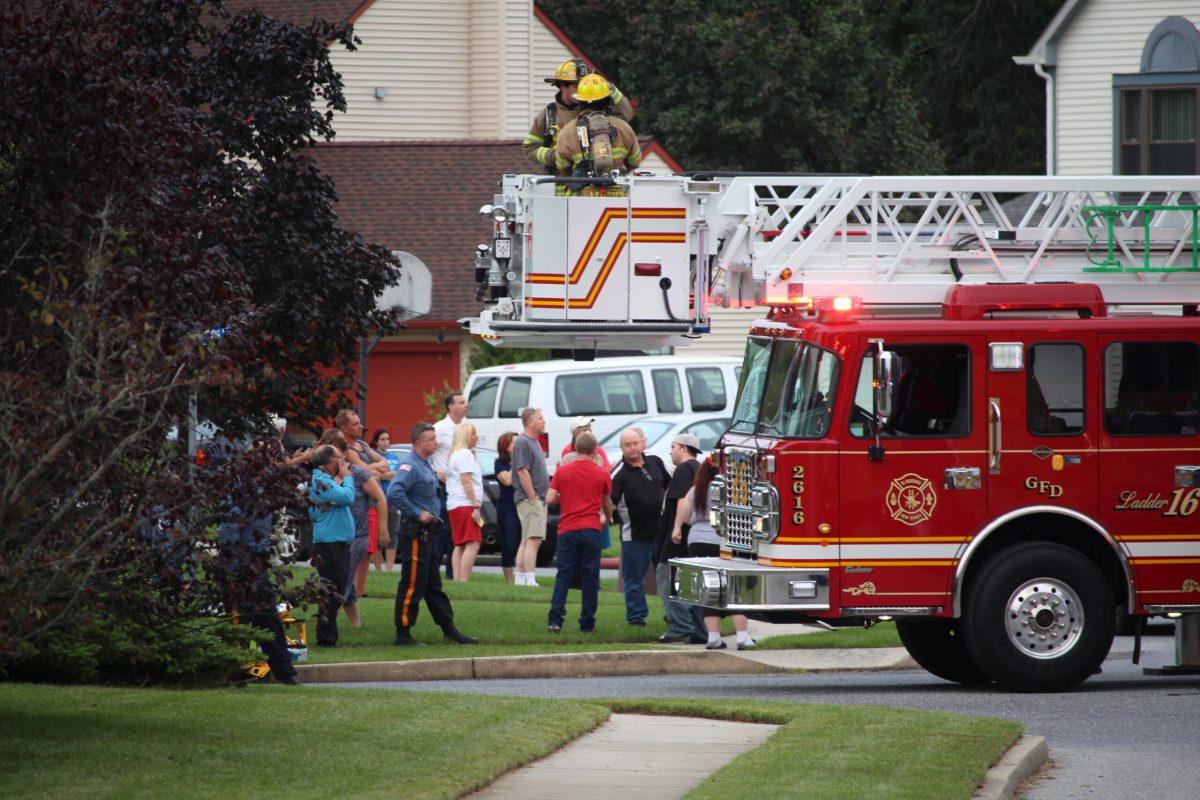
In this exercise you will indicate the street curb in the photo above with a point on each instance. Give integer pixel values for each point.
(615, 663)
(1027, 756)
(834, 659)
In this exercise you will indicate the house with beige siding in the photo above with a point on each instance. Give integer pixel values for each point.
(451, 69)
(439, 96)
(1122, 87)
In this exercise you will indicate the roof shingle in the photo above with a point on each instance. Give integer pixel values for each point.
(423, 197)
(301, 12)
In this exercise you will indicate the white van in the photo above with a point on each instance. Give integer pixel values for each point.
(615, 391)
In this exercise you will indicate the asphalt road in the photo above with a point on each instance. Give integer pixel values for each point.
(1120, 735)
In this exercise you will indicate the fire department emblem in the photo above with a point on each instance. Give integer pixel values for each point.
(911, 499)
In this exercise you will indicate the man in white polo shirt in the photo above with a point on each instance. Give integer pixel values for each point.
(456, 412)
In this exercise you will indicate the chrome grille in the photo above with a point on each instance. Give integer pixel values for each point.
(739, 475)
(739, 530)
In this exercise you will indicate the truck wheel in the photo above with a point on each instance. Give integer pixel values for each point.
(937, 645)
(1039, 618)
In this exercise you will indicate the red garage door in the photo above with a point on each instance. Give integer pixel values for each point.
(398, 375)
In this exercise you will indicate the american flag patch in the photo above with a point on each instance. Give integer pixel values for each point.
(406, 467)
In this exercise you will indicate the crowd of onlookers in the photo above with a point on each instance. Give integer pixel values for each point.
(424, 508)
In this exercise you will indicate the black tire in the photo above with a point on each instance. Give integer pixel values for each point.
(937, 645)
(1039, 618)
(1126, 624)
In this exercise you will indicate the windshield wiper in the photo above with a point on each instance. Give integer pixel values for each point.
(771, 426)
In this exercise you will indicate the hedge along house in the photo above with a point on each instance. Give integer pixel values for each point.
(1122, 87)
(439, 96)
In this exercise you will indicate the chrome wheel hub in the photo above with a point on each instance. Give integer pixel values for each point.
(1044, 618)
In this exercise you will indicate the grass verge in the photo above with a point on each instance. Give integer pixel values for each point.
(839, 751)
(511, 620)
(270, 742)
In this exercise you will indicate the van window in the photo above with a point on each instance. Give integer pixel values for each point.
(667, 392)
(482, 401)
(1152, 388)
(600, 393)
(1054, 389)
(514, 398)
(933, 393)
(706, 387)
(708, 432)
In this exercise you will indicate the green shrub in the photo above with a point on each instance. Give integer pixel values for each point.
(117, 650)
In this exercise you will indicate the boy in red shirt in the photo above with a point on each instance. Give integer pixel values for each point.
(582, 491)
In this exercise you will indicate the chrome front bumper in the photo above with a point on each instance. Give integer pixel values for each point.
(744, 587)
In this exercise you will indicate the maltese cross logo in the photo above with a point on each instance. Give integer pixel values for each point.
(911, 499)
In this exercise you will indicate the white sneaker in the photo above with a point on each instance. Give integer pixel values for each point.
(532, 578)
(519, 579)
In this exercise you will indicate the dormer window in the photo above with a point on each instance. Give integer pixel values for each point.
(1158, 109)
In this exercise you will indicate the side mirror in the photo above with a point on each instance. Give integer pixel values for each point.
(883, 383)
(884, 365)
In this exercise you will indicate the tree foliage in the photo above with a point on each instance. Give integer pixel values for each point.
(875, 86)
(162, 235)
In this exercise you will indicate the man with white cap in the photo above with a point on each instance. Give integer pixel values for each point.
(682, 624)
(582, 424)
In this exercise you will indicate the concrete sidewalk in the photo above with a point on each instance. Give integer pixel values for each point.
(632, 755)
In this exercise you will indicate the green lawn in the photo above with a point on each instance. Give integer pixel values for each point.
(511, 620)
(267, 742)
(839, 752)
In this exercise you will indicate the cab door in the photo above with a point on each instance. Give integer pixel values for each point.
(1150, 461)
(1044, 427)
(904, 518)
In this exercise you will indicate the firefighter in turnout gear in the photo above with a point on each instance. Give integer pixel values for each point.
(597, 143)
(562, 110)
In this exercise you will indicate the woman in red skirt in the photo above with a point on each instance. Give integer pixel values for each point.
(464, 496)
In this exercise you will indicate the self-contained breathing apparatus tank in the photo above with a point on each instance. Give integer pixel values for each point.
(595, 136)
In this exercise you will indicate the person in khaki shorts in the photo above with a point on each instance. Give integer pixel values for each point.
(529, 490)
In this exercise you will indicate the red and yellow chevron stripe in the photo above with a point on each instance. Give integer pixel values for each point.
(589, 249)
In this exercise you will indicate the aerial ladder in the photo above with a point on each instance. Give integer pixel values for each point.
(646, 269)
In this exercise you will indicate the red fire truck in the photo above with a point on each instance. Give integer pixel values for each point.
(973, 405)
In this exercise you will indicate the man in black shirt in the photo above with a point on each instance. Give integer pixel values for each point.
(639, 485)
(684, 623)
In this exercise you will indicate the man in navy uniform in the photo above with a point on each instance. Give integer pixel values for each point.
(413, 502)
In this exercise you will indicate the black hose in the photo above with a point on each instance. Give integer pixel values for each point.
(665, 284)
(958, 246)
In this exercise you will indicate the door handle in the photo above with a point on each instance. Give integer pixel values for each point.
(963, 478)
(994, 435)
(1187, 477)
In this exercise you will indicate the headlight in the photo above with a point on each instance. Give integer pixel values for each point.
(485, 211)
(500, 214)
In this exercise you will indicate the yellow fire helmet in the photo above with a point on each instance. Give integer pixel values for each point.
(592, 88)
(570, 71)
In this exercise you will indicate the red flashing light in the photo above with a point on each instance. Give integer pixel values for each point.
(841, 305)
(203, 459)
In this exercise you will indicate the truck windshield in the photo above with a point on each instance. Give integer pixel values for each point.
(787, 389)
